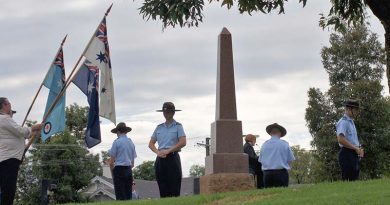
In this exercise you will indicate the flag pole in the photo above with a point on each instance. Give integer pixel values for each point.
(40, 87)
(85, 49)
(67, 83)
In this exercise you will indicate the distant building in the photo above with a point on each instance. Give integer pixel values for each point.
(101, 188)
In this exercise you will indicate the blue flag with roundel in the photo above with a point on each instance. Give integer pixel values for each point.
(87, 79)
(55, 81)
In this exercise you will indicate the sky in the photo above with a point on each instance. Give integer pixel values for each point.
(276, 59)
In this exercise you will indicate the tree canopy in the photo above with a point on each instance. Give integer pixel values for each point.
(197, 170)
(64, 159)
(354, 62)
(145, 171)
(189, 13)
(341, 15)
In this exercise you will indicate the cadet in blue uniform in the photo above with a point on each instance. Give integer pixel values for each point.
(122, 158)
(349, 143)
(171, 138)
(276, 157)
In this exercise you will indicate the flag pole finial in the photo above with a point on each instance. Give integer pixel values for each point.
(63, 41)
(108, 10)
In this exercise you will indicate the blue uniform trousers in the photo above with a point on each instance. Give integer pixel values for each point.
(168, 175)
(8, 177)
(275, 178)
(123, 182)
(349, 164)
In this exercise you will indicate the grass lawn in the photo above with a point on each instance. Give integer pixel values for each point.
(351, 193)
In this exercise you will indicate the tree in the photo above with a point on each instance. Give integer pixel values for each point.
(145, 171)
(354, 62)
(342, 13)
(105, 156)
(302, 167)
(197, 170)
(189, 13)
(64, 159)
(354, 12)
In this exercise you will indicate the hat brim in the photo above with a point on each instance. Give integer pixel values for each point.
(124, 130)
(168, 110)
(350, 105)
(269, 128)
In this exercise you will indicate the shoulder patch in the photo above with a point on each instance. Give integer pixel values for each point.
(284, 141)
(162, 124)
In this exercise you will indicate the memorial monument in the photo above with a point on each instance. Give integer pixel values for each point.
(227, 164)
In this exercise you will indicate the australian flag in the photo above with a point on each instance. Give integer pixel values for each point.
(98, 53)
(87, 79)
(55, 81)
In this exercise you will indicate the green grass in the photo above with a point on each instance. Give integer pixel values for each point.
(361, 192)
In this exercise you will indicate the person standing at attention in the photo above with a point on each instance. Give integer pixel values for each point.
(12, 145)
(349, 143)
(171, 138)
(122, 155)
(276, 157)
(254, 164)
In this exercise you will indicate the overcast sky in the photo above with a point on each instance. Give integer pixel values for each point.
(276, 60)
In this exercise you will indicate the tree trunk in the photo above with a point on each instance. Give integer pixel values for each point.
(387, 48)
(381, 9)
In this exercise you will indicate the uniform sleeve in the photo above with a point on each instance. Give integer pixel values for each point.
(112, 152)
(341, 128)
(290, 154)
(180, 131)
(17, 130)
(154, 135)
(134, 152)
(261, 154)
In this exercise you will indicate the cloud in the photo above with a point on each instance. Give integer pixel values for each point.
(276, 59)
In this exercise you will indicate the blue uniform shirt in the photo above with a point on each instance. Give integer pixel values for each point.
(123, 149)
(346, 126)
(275, 154)
(168, 136)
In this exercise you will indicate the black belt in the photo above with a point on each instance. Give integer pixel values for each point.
(122, 167)
(172, 154)
(273, 170)
(347, 149)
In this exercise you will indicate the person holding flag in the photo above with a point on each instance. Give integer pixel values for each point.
(12, 142)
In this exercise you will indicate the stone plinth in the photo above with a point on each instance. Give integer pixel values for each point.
(226, 148)
(227, 166)
(225, 182)
(227, 163)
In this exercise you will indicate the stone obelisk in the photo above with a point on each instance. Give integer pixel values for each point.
(227, 165)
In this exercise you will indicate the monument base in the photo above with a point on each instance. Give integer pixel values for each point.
(226, 182)
(227, 163)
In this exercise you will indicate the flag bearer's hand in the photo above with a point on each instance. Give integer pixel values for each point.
(36, 127)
